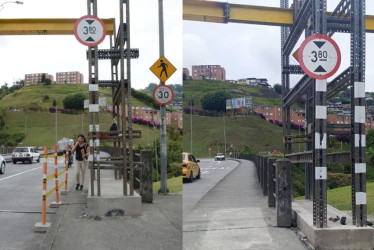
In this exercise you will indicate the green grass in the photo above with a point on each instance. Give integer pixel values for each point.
(198, 88)
(208, 132)
(32, 95)
(173, 184)
(340, 198)
(40, 130)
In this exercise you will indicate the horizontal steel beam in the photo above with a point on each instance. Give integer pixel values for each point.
(219, 12)
(114, 53)
(46, 26)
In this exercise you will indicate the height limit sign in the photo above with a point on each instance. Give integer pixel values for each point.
(319, 56)
(89, 30)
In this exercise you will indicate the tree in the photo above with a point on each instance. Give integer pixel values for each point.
(75, 101)
(370, 144)
(278, 88)
(43, 78)
(216, 101)
(47, 81)
(149, 89)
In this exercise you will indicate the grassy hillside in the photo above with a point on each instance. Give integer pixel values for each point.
(33, 95)
(41, 130)
(208, 132)
(198, 88)
(341, 197)
(40, 126)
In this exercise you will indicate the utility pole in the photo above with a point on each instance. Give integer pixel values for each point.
(163, 188)
(191, 112)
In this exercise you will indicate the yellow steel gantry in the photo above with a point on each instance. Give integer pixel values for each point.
(220, 12)
(51, 26)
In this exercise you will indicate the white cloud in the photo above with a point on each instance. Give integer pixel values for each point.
(21, 55)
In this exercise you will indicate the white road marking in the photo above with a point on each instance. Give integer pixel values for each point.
(19, 173)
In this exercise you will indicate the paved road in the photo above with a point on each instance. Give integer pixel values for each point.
(234, 215)
(20, 204)
(211, 173)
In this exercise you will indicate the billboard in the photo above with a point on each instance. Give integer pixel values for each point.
(237, 103)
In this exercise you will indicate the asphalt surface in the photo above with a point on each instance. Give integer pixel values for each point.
(159, 226)
(234, 215)
(21, 202)
(211, 173)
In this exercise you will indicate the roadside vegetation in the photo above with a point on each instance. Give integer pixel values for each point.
(251, 134)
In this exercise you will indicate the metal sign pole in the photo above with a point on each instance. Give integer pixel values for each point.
(163, 147)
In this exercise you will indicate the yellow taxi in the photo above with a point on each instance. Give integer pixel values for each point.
(191, 168)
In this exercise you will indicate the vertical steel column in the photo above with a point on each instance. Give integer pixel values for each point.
(286, 114)
(123, 94)
(94, 109)
(129, 97)
(320, 122)
(358, 139)
(309, 115)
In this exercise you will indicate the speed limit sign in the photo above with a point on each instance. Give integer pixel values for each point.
(163, 94)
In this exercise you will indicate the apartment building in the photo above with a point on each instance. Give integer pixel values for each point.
(36, 78)
(186, 72)
(152, 115)
(274, 113)
(73, 77)
(209, 72)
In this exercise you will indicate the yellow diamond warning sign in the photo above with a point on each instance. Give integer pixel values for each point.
(163, 69)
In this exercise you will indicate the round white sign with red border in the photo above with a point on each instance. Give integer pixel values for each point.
(163, 94)
(89, 30)
(319, 56)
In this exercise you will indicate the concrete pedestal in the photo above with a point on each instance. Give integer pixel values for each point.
(335, 236)
(40, 228)
(112, 198)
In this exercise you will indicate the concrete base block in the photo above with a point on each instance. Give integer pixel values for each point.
(64, 192)
(55, 204)
(112, 198)
(335, 236)
(40, 228)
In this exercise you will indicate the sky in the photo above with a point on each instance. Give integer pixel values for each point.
(20, 55)
(248, 50)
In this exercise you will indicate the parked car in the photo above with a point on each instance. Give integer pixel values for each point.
(219, 157)
(25, 154)
(191, 168)
(2, 165)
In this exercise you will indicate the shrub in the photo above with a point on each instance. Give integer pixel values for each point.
(335, 180)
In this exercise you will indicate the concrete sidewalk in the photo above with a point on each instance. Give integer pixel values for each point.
(234, 215)
(159, 226)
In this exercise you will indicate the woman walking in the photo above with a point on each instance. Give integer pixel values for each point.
(82, 151)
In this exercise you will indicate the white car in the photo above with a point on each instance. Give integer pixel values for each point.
(2, 165)
(25, 154)
(219, 157)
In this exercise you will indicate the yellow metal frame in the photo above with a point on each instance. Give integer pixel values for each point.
(211, 11)
(52, 26)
